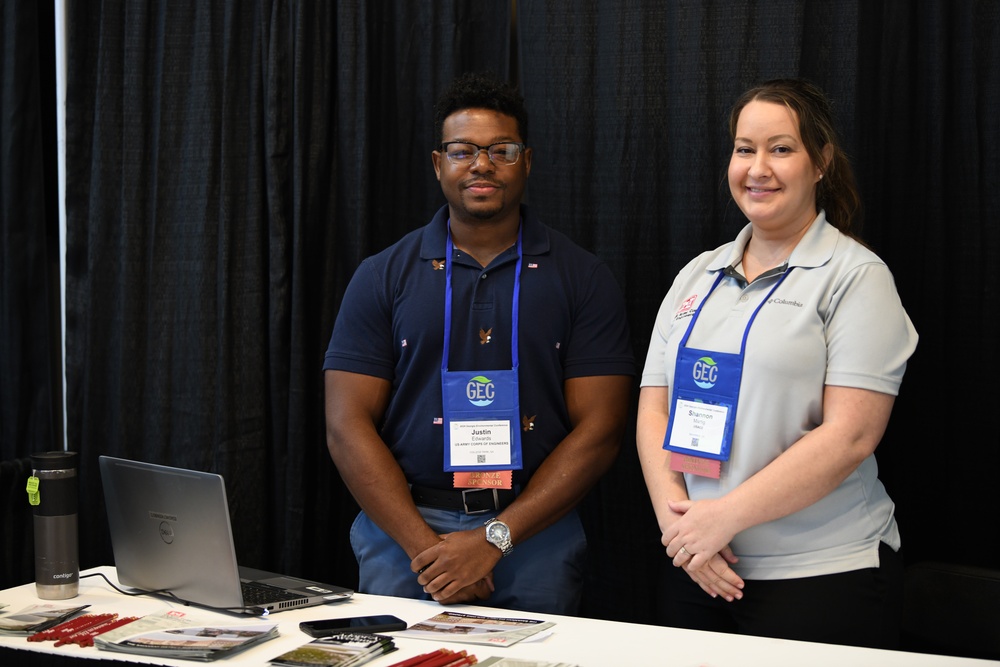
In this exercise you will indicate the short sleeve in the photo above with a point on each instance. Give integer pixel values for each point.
(361, 340)
(601, 342)
(869, 335)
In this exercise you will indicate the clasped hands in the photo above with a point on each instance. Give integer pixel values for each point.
(457, 569)
(697, 541)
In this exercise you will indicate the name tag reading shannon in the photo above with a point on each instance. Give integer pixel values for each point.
(698, 427)
(476, 443)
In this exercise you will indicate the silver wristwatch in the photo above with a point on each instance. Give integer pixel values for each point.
(498, 534)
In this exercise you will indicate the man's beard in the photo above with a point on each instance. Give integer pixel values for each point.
(487, 213)
(482, 214)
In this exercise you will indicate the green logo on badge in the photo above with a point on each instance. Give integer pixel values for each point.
(480, 391)
(705, 373)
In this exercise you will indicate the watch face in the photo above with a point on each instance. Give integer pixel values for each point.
(498, 531)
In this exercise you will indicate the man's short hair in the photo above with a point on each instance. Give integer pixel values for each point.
(477, 90)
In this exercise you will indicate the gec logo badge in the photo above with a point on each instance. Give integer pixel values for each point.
(705, 373)
(480, 391)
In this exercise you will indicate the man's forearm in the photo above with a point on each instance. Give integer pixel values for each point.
(378, 485)
(598, 408)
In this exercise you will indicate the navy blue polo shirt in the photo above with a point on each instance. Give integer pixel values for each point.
(391, 325)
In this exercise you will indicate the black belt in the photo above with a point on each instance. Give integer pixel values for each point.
(470, 501)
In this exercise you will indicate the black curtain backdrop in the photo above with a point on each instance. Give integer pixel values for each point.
(30, 366)
(29, 232)
(630, 103)
(229, 165)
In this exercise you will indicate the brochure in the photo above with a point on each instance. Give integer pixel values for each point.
(37, 617)
(451, 626)
(342, 650)
(176, 634)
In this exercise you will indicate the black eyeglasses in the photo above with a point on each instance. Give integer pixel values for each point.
(464, 154)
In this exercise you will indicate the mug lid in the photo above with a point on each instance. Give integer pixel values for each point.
(54, 460)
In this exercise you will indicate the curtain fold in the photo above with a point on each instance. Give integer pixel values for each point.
(30, 409)
(630, 105)
(231, 164)
(30, 367)
(928, 99)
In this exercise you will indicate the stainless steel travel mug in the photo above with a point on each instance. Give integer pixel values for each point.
(57, 566)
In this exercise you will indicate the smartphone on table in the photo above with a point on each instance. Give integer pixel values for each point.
(334, 626)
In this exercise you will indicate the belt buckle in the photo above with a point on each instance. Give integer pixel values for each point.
(465, 501)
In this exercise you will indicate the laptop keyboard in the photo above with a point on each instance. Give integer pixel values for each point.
(258, 594)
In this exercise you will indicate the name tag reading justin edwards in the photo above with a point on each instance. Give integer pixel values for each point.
(476, 443)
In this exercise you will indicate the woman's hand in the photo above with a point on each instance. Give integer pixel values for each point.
(698, 541)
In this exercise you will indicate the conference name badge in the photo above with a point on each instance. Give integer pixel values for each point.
(481, 418)
(699, 428)
(703, 414)
(475, 443)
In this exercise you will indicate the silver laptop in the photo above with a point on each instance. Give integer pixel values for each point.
(171, 535)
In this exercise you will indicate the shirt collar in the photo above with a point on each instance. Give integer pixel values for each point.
(814, 249)
(534, 235)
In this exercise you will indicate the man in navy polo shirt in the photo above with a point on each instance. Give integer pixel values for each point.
(467, 447)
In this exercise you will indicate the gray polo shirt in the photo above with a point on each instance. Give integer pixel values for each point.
(835, 320)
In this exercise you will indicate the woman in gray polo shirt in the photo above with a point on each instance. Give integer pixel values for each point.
(769, 381)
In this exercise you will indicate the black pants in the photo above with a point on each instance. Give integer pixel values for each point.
(859, 608)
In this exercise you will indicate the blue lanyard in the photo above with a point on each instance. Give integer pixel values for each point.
(449, 251)
(746, 331)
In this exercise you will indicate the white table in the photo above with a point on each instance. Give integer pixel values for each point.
(581, 641)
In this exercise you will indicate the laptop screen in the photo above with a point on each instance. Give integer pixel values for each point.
(170, 531)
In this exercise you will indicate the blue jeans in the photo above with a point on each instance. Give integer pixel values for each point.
(542, 574)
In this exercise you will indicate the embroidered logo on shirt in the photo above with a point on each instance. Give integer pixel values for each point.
(485, 336)
(688, 303)
(437, 264)
(785, 302)
(528, 423)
